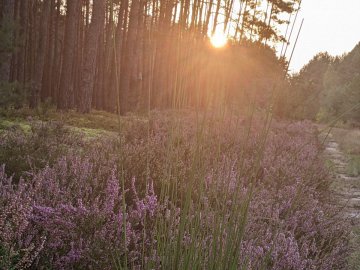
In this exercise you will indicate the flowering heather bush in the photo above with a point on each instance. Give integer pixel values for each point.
(16, 209)
(47, 141)
(197, 194)
(76, 207)
(288, 207)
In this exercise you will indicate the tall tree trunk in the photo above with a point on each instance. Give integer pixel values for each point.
(244, 20)
(108, 56)
(79, 44)
(40, 55)
(228, 11)
(216, 17)
(47, 78)
(129, 58)
(7, 17)
(22, 36)
(56, 65)
(16, 42)
(90, 52)
(238, 19)
(66, 78)
(208, 16)
(114, 88)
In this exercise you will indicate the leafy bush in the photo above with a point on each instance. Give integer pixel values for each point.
(325, 89)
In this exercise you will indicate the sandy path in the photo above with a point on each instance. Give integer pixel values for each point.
(346, 187)
(346, 190)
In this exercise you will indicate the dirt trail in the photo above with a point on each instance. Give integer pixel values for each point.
(346, 187)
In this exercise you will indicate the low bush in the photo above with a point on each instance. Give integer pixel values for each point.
(22, 150)
(196, 193)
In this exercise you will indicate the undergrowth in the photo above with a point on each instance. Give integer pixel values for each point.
(173, 191)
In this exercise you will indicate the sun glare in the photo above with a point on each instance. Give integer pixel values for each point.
(218, 40)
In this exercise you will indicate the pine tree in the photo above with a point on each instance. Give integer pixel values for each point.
(90, 53)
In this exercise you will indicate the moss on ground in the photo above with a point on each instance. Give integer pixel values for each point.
(91, 125)
(95, 120)
(15, 123)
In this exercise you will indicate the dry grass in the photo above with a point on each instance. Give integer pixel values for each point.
(349, 142)
(348, 139)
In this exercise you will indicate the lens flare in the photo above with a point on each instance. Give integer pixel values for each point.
(218, 40)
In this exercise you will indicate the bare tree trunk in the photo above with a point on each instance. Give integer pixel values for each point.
(208, 15)
(47, 78)
(239, 18)
(216, 17)
(16, 42)
(108, 57)
(7, 18)
(56, 65)
(40, 55)
(113, 87)
(90, 52)
(228, 10)
(200, 16)
(129, 58)
(66, 78)
(244, 19)
(22, 33)
(79, 44)
(138, 71)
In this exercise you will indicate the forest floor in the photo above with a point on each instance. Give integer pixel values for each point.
(342, 154)
(92, 125)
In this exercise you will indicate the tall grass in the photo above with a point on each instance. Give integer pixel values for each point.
(210, 188)
(189, 191)
(183, 239)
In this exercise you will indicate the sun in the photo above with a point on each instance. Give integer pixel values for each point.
(218, 40)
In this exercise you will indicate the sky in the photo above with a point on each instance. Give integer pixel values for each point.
(329, 25)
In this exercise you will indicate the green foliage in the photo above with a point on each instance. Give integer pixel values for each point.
(309, 85)
(96, 120)
(342, 96)
(326, 88)
(300, 98)
(265, 28)
(342, 82)
(14, 124)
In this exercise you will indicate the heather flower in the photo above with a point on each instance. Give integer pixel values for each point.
(78, 210)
